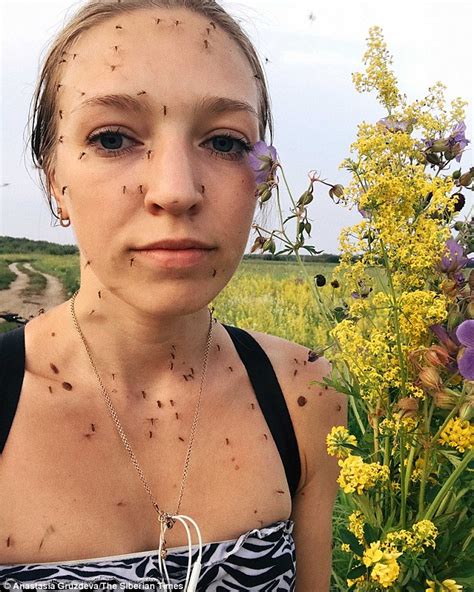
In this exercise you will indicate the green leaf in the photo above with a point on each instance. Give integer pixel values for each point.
(350, 539)
(371, 534)
(356, 572)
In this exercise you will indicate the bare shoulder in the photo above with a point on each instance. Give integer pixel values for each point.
(314, 407)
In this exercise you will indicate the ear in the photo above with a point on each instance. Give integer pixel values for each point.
(56, 192)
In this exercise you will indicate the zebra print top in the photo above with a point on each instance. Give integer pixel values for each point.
(259, 559)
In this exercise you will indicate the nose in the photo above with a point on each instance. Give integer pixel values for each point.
(172, 179)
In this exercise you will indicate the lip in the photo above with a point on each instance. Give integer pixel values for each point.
(173, 258)
(176, 245)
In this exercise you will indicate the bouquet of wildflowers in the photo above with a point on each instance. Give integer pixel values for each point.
(397, 323)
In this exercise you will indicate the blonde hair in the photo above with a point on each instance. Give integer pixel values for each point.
(42, 119)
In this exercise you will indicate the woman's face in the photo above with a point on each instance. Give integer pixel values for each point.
(160, 166)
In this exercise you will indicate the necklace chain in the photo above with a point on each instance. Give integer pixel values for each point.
(163, 516)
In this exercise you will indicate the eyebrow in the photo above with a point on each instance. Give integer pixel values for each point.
(210, 104)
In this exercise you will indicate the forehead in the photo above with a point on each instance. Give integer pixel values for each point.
(169, 54)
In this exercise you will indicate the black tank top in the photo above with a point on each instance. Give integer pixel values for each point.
(259, 369)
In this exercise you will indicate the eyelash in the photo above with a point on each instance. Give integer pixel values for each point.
(93, 140)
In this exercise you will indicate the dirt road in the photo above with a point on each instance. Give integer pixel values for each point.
(11, 299)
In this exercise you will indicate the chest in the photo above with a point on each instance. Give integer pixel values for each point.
(69, 489)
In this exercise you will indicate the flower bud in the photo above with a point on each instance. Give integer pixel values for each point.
(306, 198)
(458, 226)
(439, 146)
(470, 310)
(269, 246)
(460, 201)
(466, 410)
(466, 179)
(449, 287)
(336, 191)
(437, 355)
(456, 174)
(430, 378)
(320, 280)
(455, 318)
(432, 158)
(408, 406)
(443, 399)
(258, 244)
(265, 196)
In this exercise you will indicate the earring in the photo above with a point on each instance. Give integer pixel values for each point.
(63, 220)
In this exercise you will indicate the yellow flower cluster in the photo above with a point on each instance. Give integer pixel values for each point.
(445, 586)
(336, 441)
(357, 476)
(372, 360)
(378, 75)
(392, 426)
(356, 525)
(422, 534)
(420, 309)
(458, 433)
(385, 568)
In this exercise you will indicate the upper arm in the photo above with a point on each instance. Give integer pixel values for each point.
(314, 502)
(314, 410)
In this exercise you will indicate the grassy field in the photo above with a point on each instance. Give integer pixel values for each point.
(272, 297)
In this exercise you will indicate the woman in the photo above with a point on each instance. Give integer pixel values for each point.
(140, 415)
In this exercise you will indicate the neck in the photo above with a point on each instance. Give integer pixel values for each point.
(135, 350)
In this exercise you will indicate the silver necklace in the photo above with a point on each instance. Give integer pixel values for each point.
(165, 519)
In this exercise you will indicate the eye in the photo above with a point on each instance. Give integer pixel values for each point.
(111, 140)
(222, 146)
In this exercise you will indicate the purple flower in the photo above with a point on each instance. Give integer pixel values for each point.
(363, 213)
(465, 334)
(262, 159)
(458, 140)
(453, 260)
(453, 144)
(450, 342)
(393, 125)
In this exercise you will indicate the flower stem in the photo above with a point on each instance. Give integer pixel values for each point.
(448, 484)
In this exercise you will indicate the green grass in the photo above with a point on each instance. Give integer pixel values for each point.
(36, 282)
(6, 276)
(65, 267)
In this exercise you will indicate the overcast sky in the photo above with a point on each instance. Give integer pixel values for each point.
(315, 106)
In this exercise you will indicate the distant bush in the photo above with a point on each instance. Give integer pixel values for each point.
(9, 244)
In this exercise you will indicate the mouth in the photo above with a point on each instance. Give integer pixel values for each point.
(176, 257)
